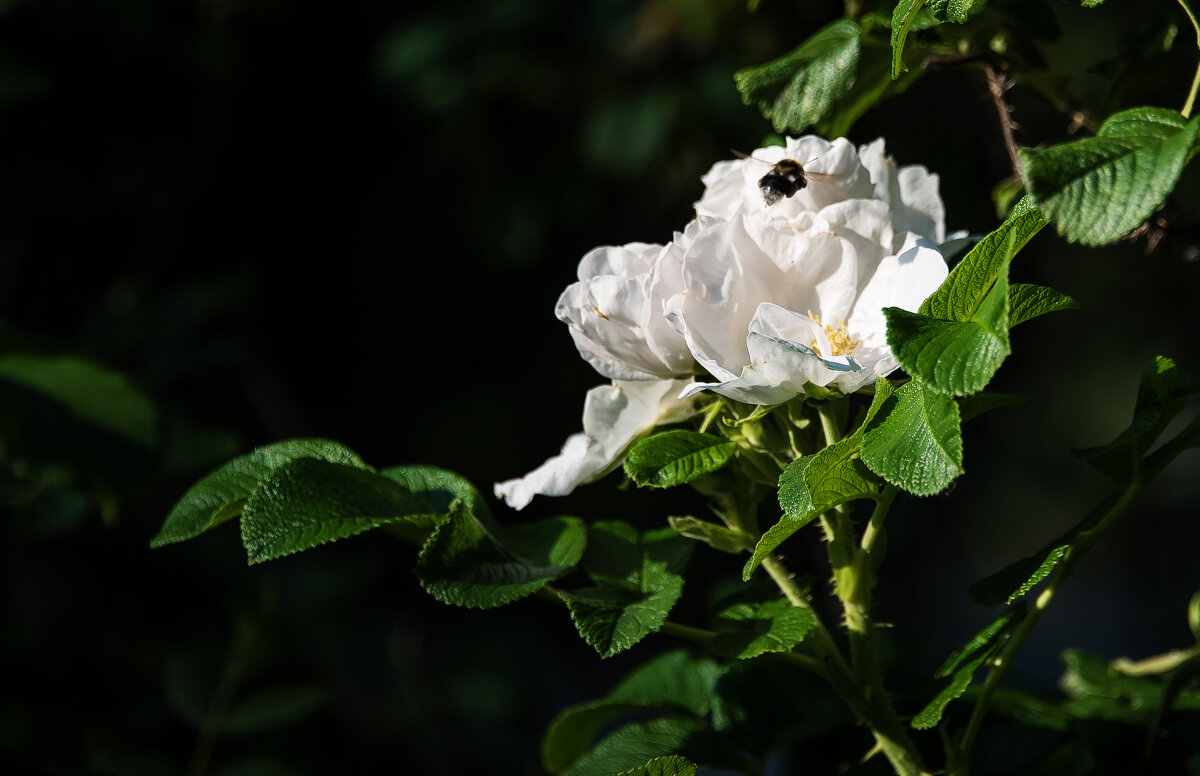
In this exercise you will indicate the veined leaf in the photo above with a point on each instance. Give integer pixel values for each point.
(221, 495)
(638, 580)
(1099, 189)
(748, 630)
(675, 457)
(671, 684)
(465, 564)
(796, 90)
(916, 443)
(1027, 301)
(636, 743)
(664, 766)
(957, 11)
(308, 501)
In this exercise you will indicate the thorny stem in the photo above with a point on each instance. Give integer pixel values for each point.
(998, 84)
(1191, 99)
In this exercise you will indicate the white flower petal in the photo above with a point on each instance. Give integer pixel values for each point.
(613, 417)
(900, 281)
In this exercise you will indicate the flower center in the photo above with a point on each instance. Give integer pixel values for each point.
(839, 338)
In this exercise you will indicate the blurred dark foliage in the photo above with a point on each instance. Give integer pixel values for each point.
(283, 219)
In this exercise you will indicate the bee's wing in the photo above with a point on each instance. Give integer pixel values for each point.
(822, 176)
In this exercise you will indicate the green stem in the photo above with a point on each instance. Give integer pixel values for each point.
(222, 700)
(1191, 99)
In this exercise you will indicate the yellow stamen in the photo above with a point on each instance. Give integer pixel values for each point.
(839, 338)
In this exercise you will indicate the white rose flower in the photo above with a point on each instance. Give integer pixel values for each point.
(765, 297)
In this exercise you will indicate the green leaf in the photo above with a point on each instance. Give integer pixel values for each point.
(86, 393)
(221, 495)
(902, 19)
(1162, 395)
(676, 457)
(872, 84)
(968, 285)
(812, 485)
(964, 663)
(1098, 690)
(273, 710)
(916, 443)
(716, 536)
(959, 338)
(464, 564)
(664, 766)
(957, 11)
(673, 683)
(440, 488)
(1099, 189)
(796, 90)
(638, 581)
(310, 501)
(1027, 301)
(748, 630)
(636, 743)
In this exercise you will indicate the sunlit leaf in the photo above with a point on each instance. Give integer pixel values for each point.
(916, 442)
(675, 457)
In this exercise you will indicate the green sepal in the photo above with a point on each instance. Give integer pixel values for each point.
(747, 630)
(638, 578)
(307, 502)
(1098, 189)
(718, 537)
(221, 495)
(796, 90)
(915, 443)
(1161, 396)
(676, 457)
(1028, 300)
(964, 663)
(467, 562)
(673, 684)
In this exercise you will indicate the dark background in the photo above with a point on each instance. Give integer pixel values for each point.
(352, 221)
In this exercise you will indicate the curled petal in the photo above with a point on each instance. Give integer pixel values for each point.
(613, 417)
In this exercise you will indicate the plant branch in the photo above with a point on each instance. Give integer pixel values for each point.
(998, 84)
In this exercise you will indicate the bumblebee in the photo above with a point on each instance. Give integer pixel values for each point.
(784, 179)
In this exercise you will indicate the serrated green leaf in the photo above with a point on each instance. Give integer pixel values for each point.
(671, 683)
(716, 536)
(1027, 301)
(796, 90)
(1098, 189)
(1162, 395)
(959, 337)
(748, 630)
(636, 743)
(812, 485)
(916, 443)
(307, 502)
(957, 11)
(638, 580)
(440, 488)
(676, 457)
(963, 664)
(664, 766)
(221, 495)
(464, 564)
(902, 19)
(87, 393)
(1018, 578)
(964, 290)
(985, 401)
(872, 84)
(273, 710)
